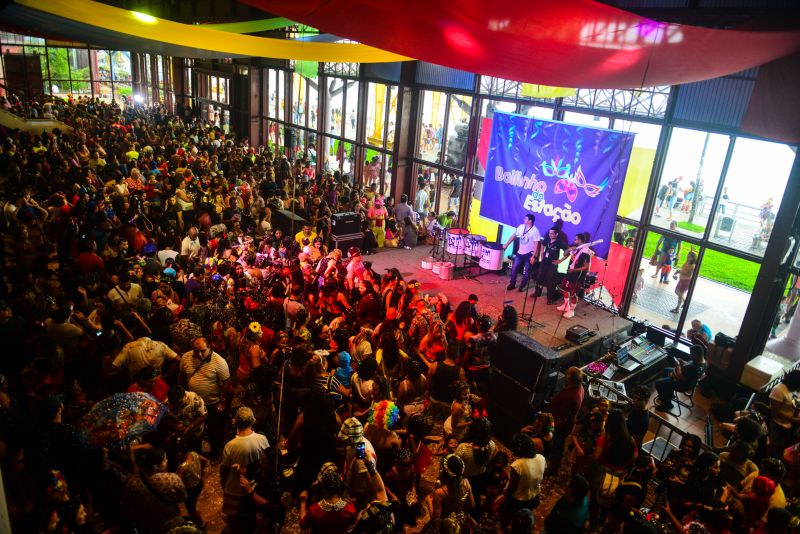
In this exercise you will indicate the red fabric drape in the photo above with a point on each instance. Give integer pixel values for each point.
(613, 276)
(575, 43)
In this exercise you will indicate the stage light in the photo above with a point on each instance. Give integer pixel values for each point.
(144, 17)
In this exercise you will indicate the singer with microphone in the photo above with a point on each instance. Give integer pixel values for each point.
(529, 238)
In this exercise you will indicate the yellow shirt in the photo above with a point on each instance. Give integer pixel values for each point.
(299, 236)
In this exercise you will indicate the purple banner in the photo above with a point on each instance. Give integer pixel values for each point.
(555, 171)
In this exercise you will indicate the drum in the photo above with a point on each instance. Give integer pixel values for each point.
(491, 256)
(446, 272)
(474, 244)
(427, 263)
(456, 240)
(437, 267)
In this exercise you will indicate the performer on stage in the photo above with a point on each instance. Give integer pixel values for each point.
(529, 238)
(579, 261)
(550, 248)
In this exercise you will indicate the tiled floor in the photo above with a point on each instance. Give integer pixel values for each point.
(692, 420)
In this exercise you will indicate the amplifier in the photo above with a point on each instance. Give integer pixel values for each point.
(344, 242)
(523, 358)
(345, 223)
(578, 333)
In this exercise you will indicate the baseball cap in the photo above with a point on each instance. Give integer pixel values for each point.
(352, 430)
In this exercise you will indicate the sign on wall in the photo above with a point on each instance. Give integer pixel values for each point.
(556, 171)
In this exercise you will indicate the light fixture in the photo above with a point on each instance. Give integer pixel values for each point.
(144, 17)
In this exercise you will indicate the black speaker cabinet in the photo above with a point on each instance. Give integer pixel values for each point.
(506, 423)
(287, 221)
(508, 394)
(523, 358)
(345, 223)
(344, 242)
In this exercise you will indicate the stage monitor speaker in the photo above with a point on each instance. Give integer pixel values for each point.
(523, 358)
(507, 423)
(345, 223)
(287, 222)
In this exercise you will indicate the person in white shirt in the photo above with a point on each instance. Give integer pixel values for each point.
(529, 238)
(190, 246)
(143, 352)
(243, 451)
(421, 200)
(125, 292)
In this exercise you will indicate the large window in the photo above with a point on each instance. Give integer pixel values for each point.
(78, 71)
(640, 166)
(751, 194)
(431, 126)
(689, 180)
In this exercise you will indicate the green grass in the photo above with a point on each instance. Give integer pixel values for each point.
(728, 270)
(696, 228)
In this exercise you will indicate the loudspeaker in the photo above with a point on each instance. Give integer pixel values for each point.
(523, 358)
(345, 223)
(506, 423)
(508, 394)
(287, 221)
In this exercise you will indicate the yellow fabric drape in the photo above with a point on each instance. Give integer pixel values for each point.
(125, 22)
(250, 26)
(532, 90)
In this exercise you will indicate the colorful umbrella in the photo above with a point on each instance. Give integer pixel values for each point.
(117, 420)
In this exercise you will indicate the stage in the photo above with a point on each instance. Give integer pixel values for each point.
(492, 294)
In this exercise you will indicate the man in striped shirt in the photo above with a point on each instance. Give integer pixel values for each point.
(206, 373)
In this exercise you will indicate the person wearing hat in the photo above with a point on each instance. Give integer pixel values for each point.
(355, 268)
(377, 215)
(147, 380)
(251, 355)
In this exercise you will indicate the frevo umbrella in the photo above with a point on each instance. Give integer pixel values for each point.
(119, 419)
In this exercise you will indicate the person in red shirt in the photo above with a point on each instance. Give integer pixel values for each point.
(565, 407)
(89, 262)
(148, 381)
(332, 513)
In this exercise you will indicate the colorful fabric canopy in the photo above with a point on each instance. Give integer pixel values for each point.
(579, 43)
(158, 32)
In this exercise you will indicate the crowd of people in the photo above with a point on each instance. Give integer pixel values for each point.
(141, 265)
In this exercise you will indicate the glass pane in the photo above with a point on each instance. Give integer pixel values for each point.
(59, 63)
(583, 119)
(640, 166)
(372, 167)
(388, 169)
(457, 129)
(313, 103)
(81, 89)
(613, 270)
(296, 143)
(281, 98)
(392, 116)
(333, 123)
(430, 135)
(485, 130)
(425, 199)
(722, 293)
(376, 113)
(538, 112)
(352, 110)
(311, 148)
(104, 91)
(60, 88)
(103, 64)
(121, 65)
(348, 157)
(79, 63)
(745, 215)
(654, 295)
(477, 224)
(122, 92)
(450, 197)
(689, 181)
(330, 149)
(298, 99)
(273, 93)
